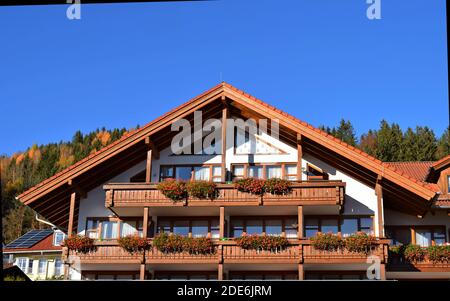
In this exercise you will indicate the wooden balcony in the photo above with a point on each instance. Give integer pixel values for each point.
(105, 252)
(228, 252)
(312, 255)
(399, 264)
(232, 253)
(302, 193)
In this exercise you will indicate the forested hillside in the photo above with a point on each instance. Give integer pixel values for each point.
(25, 169)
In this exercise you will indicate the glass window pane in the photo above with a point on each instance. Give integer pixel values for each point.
(399, 236)
(201, 173)
(183, 173)
(290, 228)
(59, 237)
(238, 170)
(274, 227)
(181, 228)
(109, 230)
(30, 266)
(128, 228)
(329, 225)
(237, 228)
(166, 171)
(254, 227)
(273, 171)
(217, 171)
(164, 226)
(215, 229)
(311, 226)
(42, 266)
(349, 226)
(199, 228)
(423, 237)
(290, 169)
(439, 236)
(255, 172)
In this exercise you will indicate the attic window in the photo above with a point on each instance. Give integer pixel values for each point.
(315, 173)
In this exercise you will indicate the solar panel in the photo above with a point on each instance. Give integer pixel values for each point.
(29, 239)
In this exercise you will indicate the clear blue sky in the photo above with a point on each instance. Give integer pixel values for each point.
(126, 64)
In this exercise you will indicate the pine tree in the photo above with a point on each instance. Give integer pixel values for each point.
(389, 142)
(443, 145)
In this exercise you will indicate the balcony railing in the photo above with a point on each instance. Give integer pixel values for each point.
(400, 264)
(297, 251)
(302, 193)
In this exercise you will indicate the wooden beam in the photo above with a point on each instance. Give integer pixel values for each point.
(301, 272)
(299, 157)
(71, 214)
(300, 222)
(145, 223)
(152, 146)
(148, 167)
(220, 271)
(224, 140)
(379, 193)
(142, 272)
(222, 222)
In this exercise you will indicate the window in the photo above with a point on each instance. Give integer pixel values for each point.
(237, 228)
(131, 228)
(399, 235)
(181, 227)
(238, 171)
(346, 225)
(42, 266)
(268, 225)
(22, 264)
(166, 172)
(58, 238)
(204, 172)
(197, 227)
(109, 229)
(274, 227)
(30, 266)
(254, 227)
(426, 237)
(291, 228)
(183, 173)
(201, 173)
(290, 172)
(312, 226)
(217, 173)
(58, 267)
(92, 227)
(273, 171)
(255, 172)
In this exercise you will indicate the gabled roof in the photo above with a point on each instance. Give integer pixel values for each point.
(418, 170)
(436, 168)
(388, 172)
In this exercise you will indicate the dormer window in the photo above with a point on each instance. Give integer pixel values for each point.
(58, 238)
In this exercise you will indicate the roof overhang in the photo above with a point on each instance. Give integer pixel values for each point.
(51, 197)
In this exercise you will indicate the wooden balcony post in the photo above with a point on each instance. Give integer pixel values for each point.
(224, 140)
(380, 217)
(382, 271)
(300, 222)
(148, 167)
(301, 272)
(145, 223)
(142, 272)
(220, 271)
(299, 157)
(222, 222)
(71, 214)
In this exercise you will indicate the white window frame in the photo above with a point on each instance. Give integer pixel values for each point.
(55, 235)
(45, 266)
